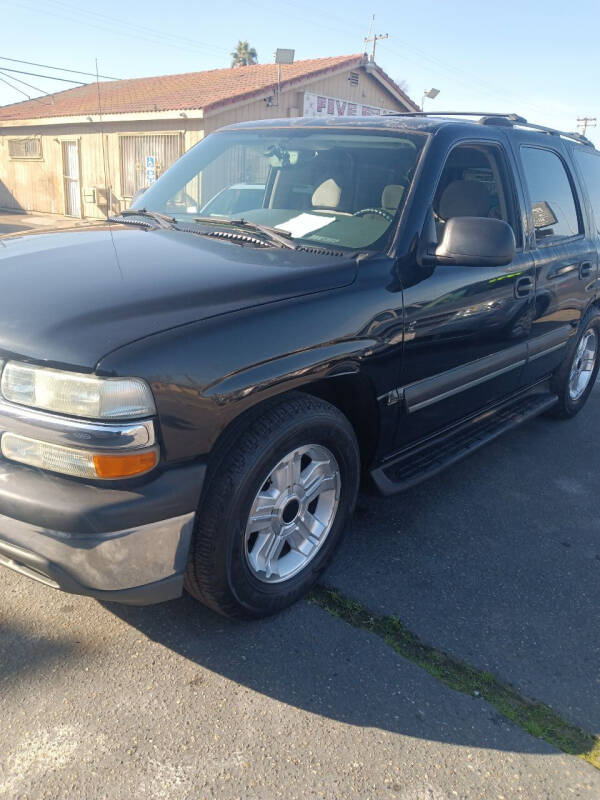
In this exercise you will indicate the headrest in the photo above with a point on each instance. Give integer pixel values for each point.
(327, 195)
(391, 196)
(464, 199)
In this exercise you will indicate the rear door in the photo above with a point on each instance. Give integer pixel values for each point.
(587, 163)
(563, 249)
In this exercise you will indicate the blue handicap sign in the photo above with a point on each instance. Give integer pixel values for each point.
(150, 169)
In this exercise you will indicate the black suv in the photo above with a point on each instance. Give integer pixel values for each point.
(191, 400)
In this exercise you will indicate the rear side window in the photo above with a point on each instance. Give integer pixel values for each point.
(589, 164)
(554, 207)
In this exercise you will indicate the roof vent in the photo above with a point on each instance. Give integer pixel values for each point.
(353, 78)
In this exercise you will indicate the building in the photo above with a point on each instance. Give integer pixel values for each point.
(85, 152)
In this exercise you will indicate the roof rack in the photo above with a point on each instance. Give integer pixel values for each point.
(501, 120)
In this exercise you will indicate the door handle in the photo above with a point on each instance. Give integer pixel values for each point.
(524, 286)
(585, 269)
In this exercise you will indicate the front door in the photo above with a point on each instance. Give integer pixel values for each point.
(466, 328)
(72, 187)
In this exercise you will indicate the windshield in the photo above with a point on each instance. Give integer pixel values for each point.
(341, 188)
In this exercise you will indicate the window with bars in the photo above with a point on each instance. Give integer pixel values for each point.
(30, 147)
(144, 159)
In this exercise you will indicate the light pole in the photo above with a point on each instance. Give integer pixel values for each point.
(431, 94)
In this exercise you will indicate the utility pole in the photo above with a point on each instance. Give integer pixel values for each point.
(374, 37)
(585, 123)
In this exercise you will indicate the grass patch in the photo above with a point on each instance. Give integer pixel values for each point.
(536, 718)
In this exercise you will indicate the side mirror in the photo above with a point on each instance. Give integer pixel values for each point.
(476, 242)
(137, 196)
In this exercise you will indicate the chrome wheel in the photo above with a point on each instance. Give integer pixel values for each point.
(583, 364)
(292, 514)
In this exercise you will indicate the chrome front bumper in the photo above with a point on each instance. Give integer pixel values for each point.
(125, 540)
(139, 565)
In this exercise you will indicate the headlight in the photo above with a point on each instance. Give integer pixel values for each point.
(75, 394)
(78, 463)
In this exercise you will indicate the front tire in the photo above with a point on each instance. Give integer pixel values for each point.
(575, 378)
(275, 508)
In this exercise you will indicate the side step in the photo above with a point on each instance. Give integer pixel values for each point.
(419, 463)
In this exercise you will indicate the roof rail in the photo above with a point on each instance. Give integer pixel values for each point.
(502, 120)
(483, 114)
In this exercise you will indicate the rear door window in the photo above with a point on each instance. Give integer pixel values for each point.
(553, 203)
(589, 164)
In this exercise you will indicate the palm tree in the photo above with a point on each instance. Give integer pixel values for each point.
(243, 55)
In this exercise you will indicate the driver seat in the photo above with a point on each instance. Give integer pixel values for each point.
(391, 197)
(464, 199)
(327, 196)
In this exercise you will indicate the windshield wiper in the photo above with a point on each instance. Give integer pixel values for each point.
(161, 220)
(274, 235)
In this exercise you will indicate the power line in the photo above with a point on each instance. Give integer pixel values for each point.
(106, 24)
(462, 76)
(61, 4)
(585, 123)
(61, 69)
(30, 85)
(16, 88)
(38, 75)
(374, 37)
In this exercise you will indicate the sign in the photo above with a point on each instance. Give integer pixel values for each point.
(150, 170)
(318, 105)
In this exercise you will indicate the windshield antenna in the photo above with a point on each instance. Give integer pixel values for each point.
(107, 183)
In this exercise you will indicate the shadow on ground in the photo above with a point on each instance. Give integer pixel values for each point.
(25, 652)
(313, 662)
(496, 561)
(14, 228)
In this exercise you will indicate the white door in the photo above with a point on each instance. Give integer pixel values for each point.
(71, 179)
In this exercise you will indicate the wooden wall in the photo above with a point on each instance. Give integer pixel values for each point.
(368, 92)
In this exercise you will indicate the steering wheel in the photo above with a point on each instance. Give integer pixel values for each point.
(376, 212)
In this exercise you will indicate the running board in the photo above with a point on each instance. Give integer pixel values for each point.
(418, 464)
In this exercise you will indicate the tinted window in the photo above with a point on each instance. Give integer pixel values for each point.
(474, 183)
(589, 163)
(553, 204)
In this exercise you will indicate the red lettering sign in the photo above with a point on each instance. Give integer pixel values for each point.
(321, 103)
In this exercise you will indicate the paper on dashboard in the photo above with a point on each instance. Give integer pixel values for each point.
(304, 223)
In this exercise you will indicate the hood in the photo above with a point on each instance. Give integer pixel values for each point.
(68, 297)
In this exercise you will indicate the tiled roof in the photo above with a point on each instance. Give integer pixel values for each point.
(191, 90)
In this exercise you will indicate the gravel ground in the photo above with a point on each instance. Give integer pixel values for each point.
(496, 561)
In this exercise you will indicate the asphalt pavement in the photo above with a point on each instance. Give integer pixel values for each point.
(22, 221)
(496, 561)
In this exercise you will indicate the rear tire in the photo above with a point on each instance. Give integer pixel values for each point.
(575, 378)
(245, 564)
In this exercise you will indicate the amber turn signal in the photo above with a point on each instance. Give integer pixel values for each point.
(124, 465)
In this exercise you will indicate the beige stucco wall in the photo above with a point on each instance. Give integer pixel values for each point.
(37, 185)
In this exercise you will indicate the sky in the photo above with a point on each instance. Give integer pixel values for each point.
(540, 60)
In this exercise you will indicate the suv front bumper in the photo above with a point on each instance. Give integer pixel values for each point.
(128, 545)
